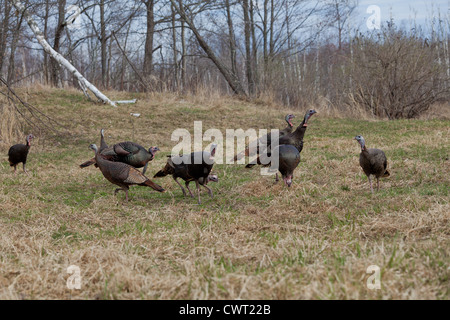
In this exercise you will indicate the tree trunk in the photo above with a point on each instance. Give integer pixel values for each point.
(70, 56)
(254, 45)
(148, 55)
(271, 30)
(231, 38)
(104, 44)
(183, 52)
(14, 41)
(108, 65)
(4, 33)
(265, 38)
(47, 9)
(288, 26)
(55, 69)
(248, 53)
(174, 49)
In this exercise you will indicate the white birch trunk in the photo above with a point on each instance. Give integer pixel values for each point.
(58, 57)
(126, 101)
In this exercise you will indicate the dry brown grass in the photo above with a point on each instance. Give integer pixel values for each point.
(255, 240)
(10, 127)
(437, 111)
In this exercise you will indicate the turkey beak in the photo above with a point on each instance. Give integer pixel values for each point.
(288, 182)
(153, 150)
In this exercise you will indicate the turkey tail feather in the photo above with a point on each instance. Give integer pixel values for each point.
(88, 163)
(168, 169)
(160, 174)
(153, 185)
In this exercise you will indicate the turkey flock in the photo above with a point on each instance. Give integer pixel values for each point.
(119, 163)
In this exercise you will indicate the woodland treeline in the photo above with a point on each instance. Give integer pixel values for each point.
(297, 52)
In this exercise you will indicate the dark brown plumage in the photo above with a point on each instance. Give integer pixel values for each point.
(373, 162)
(289, 159)
(253, 147)
(127, 152)
(19, 154)
(295, 138)
(196, 167)
(122, 174)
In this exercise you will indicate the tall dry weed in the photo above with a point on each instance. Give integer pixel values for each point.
(10, 126)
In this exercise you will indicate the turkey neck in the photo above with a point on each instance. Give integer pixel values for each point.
(365, 152)
(299, 133)
(98, 158)
(290, 125)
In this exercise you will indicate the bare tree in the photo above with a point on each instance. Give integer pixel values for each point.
(13, 47)
(5, 13)
(183, 52)
(231, 38)
(40, 37)
(174, 48)
(148, 54)
(46, 17)
(231, 78)
(248, 50)
(339, 12)
(55, 69)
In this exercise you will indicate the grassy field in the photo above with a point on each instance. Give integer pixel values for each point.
(255, 240)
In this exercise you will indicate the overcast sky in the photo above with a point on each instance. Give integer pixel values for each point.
(402, 11)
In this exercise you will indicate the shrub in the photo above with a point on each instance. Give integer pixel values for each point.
(396, 75)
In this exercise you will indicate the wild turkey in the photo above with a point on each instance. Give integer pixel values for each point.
(253, 147)
(295, 138)
(127, 152)
(122, 174)
(289, 158)
(288, 161)
(196, 167)
(19, 154)
(373, 162)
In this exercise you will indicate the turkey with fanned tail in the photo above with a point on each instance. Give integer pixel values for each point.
(122, 174)
(127, 152)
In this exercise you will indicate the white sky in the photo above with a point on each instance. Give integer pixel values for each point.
(402, 11)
